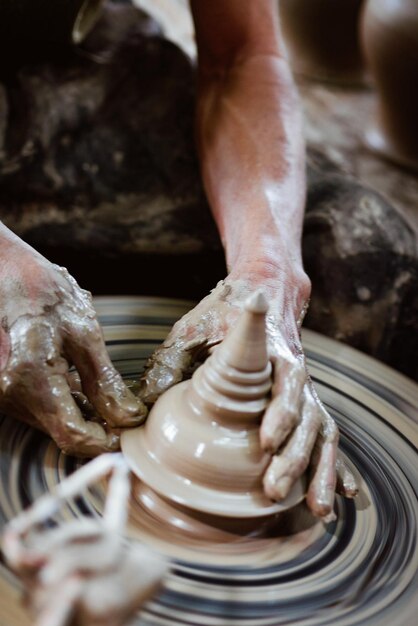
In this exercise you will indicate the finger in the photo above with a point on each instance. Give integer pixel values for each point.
(283, 412)
(74, 382)
(293, 460)
(45, 508)
(38, 383)
(54, 407)
(346, 483)
(85, 406)
(101, 382)
(49, 542)
(321, 492)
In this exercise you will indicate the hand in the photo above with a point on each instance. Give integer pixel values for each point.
(296, 428)
(47, 324)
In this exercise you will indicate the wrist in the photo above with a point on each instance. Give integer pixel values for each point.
(283, 280)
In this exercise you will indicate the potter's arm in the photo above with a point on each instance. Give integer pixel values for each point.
(48, 323)
(251, 148)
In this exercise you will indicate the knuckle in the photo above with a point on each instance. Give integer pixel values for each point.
(315, 419)
(113, 443)
(86, 329)
(91, 326)
(72, 436)
(110, 382)
(331, 431)
(300, 463)
(329, 427)
(305, 287)
(289, 419)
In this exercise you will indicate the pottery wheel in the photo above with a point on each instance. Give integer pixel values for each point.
(361, 569)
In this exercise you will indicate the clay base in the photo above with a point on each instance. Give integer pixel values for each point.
(183, 492)
(181, 533)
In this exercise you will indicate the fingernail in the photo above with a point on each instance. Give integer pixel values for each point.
(323, 507)
(350, 489)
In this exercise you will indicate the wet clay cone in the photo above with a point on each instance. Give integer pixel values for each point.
(200, 445)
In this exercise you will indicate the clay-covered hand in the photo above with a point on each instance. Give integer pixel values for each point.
(47, 324)
(296, 428)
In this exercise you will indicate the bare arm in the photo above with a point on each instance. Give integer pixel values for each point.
(251, 145)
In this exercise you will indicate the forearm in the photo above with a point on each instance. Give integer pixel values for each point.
(252, 158)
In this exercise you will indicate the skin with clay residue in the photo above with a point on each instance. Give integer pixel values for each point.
(48, 324)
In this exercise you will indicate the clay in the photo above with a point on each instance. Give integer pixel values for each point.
(390, 40)
(200, 446)
(322, 39)
(188, 535)
(83, 570)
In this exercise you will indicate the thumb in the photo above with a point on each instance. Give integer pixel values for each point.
(165, 368)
